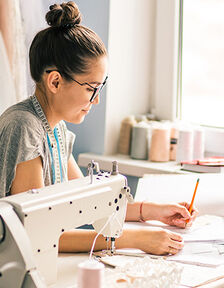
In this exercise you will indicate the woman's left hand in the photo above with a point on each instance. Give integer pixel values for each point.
(176, 214)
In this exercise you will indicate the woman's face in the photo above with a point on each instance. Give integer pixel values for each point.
(72, 102)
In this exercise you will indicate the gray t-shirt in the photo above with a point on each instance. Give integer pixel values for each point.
(23, 137)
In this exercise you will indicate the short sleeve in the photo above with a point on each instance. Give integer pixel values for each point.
(21, 139)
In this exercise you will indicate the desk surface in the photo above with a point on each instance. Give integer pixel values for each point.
(67, 272)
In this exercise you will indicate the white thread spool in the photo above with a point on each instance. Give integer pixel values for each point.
(160, 143)
(199, 143)
(90, 274)
(139, 142)
(185, 145)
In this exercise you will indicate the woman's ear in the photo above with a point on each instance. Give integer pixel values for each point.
(53, 81)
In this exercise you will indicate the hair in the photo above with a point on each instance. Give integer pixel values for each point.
(65, 45)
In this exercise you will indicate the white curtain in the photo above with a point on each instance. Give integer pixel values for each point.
(13, 54)
(7, 88)
(33, 17)
(19, 53)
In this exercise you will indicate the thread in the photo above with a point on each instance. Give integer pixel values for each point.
(125, 135)
(90, 274)
(173, 143)
(101, 230)
(199, 143)
(160, 143)
(140, 118)
(185, 145)
(139, 141)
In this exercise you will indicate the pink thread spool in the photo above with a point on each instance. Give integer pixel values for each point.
(90, 274)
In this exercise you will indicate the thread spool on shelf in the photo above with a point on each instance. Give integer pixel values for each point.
(199, 143)
(160, 143)
(125, 135)
(185, 145)
(90, 274)
(173, 143)
(139, 142)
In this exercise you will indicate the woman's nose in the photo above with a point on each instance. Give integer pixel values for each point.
(96, 100)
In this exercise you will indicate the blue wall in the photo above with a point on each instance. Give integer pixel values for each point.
(90, 133)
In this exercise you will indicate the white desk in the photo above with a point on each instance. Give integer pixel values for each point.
(209, 198)
(67, 272)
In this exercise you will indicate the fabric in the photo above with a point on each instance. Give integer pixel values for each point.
(23, 137)
(13, 34)
(7, 94)
(33, 19)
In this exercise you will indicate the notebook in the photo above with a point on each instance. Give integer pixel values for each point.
(206, 165)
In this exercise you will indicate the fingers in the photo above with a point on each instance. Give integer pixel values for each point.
(175, 237)
(181, 223)
(176, 243)
(172, 251)
(194, 212)
(172, 243)
(185, 204)
(192, 217)
(181, 209)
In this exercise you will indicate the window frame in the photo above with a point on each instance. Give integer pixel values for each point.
(168, 71)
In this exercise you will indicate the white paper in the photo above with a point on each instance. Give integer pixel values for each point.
(206, 228)
(200, 240)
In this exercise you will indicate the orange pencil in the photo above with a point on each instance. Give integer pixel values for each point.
(192, 201)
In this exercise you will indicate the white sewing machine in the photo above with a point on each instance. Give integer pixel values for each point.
(32, 222)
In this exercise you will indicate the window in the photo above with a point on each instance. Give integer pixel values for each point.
(202, 97)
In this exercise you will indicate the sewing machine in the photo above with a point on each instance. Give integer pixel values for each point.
(32, 222)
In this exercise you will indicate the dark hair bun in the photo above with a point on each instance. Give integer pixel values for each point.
(63, 15)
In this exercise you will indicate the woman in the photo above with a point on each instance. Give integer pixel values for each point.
(68, 62)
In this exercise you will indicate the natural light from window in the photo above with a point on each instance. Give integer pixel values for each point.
(203, 62)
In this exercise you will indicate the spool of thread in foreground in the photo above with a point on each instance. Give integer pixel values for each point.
(185, 145)
(90, 274)
(139, 142)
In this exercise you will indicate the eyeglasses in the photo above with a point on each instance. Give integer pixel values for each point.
(96, 90)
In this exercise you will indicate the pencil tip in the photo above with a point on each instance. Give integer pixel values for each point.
(198, 180)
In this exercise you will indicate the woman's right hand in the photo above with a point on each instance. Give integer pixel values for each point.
(158, 241)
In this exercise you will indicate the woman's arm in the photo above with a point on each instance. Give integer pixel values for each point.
(29, 175)
(176, 214)
(154, 241)
(74, 171)
(134, 213)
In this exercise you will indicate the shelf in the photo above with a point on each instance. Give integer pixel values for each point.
(130, 166)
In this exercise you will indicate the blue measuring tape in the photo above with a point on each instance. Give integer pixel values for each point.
(52, 157)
